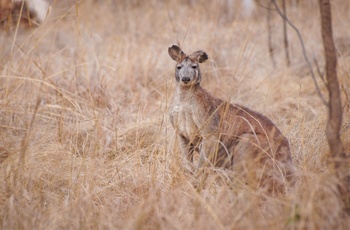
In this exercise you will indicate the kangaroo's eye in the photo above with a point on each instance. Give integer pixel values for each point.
(178, 67)
(194, 67)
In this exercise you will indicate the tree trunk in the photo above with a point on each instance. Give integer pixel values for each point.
(335, 107)
(269, 29)
(285, 34)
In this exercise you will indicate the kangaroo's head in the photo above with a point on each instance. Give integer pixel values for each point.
(187, 72)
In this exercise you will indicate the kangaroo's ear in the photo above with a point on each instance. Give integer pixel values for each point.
(200, 56)
(176, 53)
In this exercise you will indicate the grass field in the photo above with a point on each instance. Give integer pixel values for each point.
(85, 139)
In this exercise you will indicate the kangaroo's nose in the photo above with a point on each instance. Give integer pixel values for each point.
(185, 79)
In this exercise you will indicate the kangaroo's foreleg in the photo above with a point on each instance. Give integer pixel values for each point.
(187, 150)
(209, 149)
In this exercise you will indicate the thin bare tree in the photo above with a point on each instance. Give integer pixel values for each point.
(269, 29)
(334, 104)
(285, 34)
(335, 112)
(269, 16)
(308, 62)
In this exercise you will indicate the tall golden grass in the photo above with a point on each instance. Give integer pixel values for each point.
(85, 140)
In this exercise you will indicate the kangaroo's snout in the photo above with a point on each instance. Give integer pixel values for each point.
(186, 75)
(186, 80)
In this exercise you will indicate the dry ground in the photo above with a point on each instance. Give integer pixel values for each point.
(85, 140)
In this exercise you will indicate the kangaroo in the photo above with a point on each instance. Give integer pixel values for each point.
(224, 134)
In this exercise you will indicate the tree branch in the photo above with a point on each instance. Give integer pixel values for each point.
(304, 51)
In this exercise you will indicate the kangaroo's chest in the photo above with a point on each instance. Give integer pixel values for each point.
(184, 120)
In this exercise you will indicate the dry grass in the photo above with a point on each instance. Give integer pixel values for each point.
(85, 140)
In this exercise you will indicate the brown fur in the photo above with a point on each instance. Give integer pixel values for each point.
(32, 13)
(227, 135)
